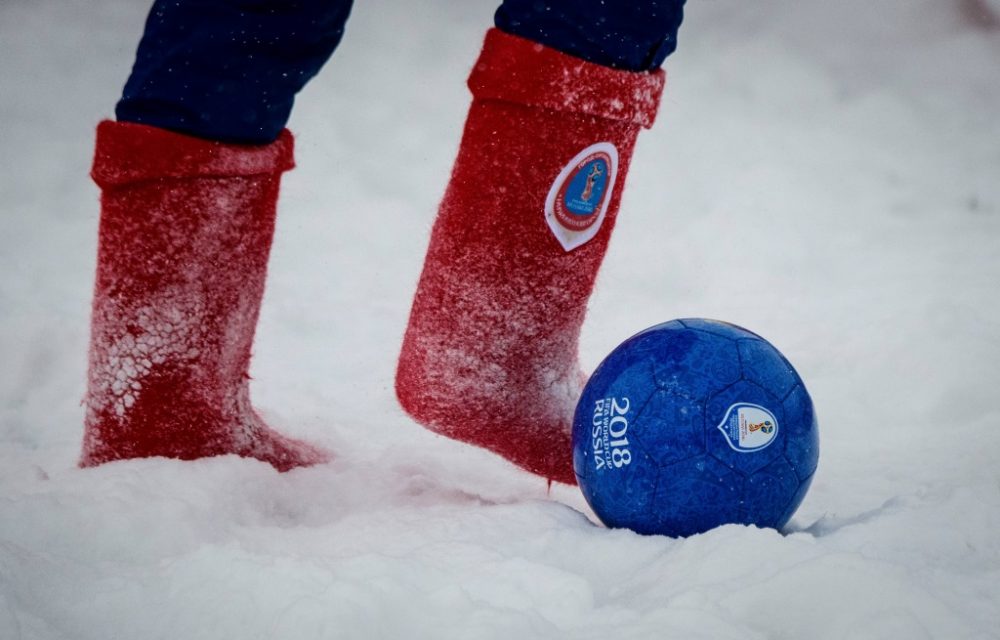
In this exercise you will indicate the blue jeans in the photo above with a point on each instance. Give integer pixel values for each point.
(229, 70)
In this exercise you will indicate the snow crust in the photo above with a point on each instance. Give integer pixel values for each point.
(826, 174)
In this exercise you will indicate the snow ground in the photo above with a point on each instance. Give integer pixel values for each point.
(827, 174)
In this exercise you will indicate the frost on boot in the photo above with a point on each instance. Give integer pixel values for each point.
(490, 352)
(185, 233)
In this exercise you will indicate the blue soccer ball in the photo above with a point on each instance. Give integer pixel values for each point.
(692, 424)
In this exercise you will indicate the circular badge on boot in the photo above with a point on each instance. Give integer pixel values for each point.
(579, 197)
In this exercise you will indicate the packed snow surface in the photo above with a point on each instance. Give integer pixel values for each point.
(826, 174)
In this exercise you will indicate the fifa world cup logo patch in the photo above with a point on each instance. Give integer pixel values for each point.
(579, 197)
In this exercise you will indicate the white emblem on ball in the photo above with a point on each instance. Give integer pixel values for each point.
(748, 427)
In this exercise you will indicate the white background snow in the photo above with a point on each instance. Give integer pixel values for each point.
(824, 173)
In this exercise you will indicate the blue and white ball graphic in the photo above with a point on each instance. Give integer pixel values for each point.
(692, 424)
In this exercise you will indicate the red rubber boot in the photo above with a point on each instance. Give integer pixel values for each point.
(490, 352)
(185, 232)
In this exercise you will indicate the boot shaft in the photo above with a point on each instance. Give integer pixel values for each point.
(185, 233)
(490, 351)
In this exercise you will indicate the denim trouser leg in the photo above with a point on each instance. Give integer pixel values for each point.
(228, 70)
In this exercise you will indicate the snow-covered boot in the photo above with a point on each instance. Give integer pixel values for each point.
(490, 352)
(185, 232)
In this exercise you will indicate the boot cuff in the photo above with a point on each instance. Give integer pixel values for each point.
(127, 152)
(513, 69)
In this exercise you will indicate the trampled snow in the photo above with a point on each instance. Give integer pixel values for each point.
(826, 174)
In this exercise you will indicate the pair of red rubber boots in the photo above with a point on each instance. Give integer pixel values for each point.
(490, 351)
